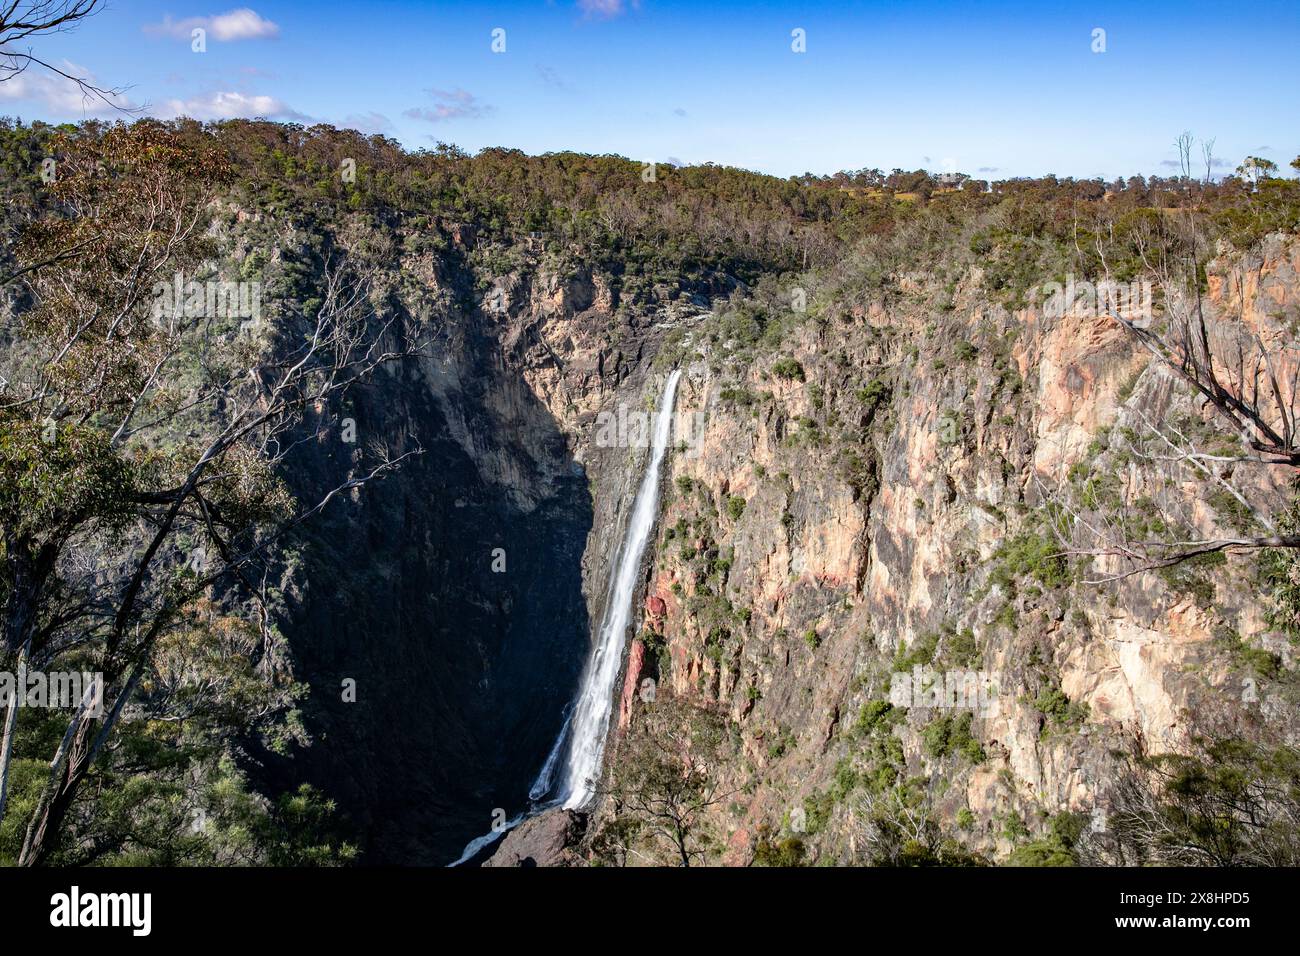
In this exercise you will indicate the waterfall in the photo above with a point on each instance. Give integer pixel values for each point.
(542, 785)
(581, 741)
(589, 722)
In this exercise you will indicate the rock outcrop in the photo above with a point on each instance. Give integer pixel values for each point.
(546, 840)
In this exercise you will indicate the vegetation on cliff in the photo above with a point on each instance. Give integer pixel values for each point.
(144, 504)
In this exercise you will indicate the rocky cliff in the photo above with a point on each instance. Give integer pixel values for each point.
(892, 489)
(873, 485)
(907, 599)
(459, 593)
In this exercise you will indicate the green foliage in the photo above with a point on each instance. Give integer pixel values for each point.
(737, 396)
(170, 793)
(1280, 573)
(788, 368)
(1013, 827)
(817, 810)
(1030, 554)
(1059, 710)
(961, 649)
(922, 652)
(874, 392)
(664, 780)
(1231, 510)
(735, 507)
(1265, 664)
(1057, 848)
(1194, 577)
(901, 829)
(301, 831)
(1006, 616)
(875, 715)
(781, 744)
(57, 478)
(1227, 802)
(858, 471)
(781, 852)
(105, 505)
(948, 734)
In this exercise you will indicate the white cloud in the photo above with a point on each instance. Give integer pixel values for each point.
(449, 105)
(241, 24)
(603, 9)
(227, 105)
(58, 97)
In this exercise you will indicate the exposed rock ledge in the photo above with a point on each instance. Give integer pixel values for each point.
(545, 840)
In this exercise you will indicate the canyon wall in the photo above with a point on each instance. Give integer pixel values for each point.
(886, 491)
(880, 487)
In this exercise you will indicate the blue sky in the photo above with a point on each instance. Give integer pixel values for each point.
(993, 89)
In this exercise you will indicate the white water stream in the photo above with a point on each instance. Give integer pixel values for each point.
(590, 721)
(580, 746)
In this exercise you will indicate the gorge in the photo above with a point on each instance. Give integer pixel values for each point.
(910, 462)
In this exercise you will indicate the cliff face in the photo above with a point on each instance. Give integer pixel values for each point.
(451, 592)
(460, 592)
(890, 556)
(880, 494)
(875, 496)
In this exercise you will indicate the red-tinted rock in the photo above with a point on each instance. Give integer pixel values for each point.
(635, 665)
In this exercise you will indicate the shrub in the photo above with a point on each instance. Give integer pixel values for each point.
(788, 369)
(787, 852)
(874, 714)
(962, 649)
(1059, 709)
(951, 735)
(737, 396)
(873, 392)
(922, 652)
(1035, 555)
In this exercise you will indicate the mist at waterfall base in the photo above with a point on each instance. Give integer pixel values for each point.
(569, 775)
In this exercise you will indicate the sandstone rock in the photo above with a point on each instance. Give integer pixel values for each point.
(631, 682)
(546, 840)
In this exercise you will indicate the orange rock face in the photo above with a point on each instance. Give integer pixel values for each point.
(631, 683)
